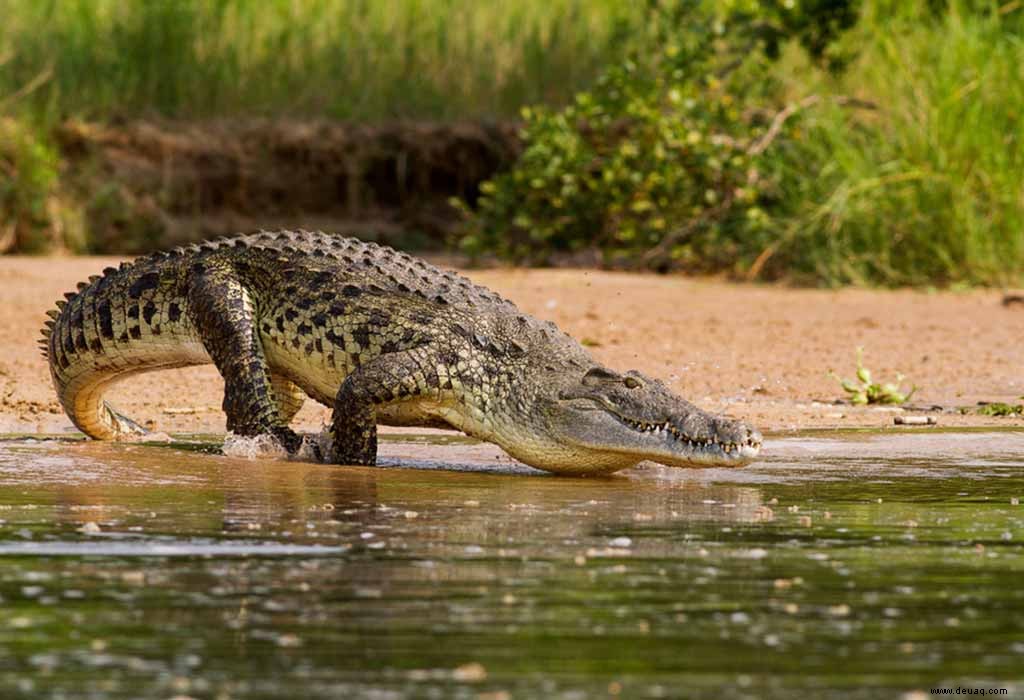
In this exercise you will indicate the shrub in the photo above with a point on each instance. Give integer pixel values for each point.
(663, 163)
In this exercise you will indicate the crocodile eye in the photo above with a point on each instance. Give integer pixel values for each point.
(632, 383)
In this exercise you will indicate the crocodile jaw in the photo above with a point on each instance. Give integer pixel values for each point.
(724, 442)
(593, 440)
(602, 444)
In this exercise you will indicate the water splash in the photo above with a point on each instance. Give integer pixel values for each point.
(268, 447)
(253, 447)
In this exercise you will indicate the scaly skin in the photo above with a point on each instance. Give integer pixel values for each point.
(383, 338)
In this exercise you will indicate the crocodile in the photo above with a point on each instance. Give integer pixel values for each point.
(381, 337)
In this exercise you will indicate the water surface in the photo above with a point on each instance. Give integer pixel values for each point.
(845, 565)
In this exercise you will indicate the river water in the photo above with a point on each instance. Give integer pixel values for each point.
(844, 565)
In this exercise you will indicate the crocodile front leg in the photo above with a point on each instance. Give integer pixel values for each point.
(222, 312)
(386, 379)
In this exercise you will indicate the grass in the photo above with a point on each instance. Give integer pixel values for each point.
(927, 189)
(348, 59)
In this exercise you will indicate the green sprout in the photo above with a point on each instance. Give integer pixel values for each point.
(864, 391)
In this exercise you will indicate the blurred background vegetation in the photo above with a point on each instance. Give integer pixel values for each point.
(817, 141)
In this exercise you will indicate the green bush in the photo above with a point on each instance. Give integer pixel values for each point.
(817, 25)
(661, 164)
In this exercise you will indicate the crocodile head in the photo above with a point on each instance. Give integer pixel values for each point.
(603, 421)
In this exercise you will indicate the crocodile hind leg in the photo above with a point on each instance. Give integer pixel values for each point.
(386, 379)
(123, 425)
(221, 310)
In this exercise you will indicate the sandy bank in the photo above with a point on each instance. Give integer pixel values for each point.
(758, 352)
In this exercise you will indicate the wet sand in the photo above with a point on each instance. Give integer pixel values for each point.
(757, 352)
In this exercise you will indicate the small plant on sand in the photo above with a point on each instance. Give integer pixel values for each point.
(863, 391)
(1001, 409)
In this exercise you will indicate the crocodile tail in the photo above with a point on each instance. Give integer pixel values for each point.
(111, 327)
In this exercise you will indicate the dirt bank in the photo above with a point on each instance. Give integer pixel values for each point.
(150, 184)
(760, 352)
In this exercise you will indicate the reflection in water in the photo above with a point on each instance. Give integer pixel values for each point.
(890, 562)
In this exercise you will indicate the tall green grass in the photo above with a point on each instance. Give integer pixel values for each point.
(351, 59)
(928, 188)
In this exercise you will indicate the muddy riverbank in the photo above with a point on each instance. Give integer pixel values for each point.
(135, 186)
(758, 352)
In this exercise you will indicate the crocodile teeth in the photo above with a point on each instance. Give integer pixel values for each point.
(694, 443)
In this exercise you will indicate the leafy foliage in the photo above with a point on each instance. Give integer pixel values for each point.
(864, 391)
(816, 24)
(662, 163)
